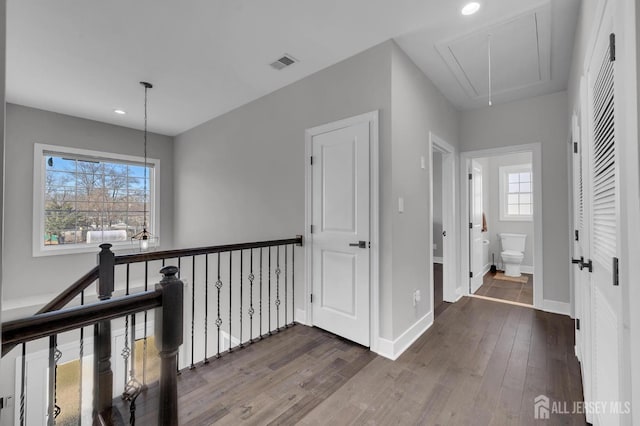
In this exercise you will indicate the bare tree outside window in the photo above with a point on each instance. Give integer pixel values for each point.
(91, 201)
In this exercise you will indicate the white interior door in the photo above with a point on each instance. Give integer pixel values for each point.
(340, 243)
(581, 278)
(604, 219)
(475, 231)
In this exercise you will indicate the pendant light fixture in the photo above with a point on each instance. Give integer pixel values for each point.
(144, 238)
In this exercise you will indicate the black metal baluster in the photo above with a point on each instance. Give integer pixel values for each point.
(251, 311)
(278, 288)
(293, 284)
(218, 319)
(54, 356)
(81, 356)
(193, 309)
(206, 306)
(260, 293)
(230, 298)
(269, 292)
(144, 342)
(286, 323)
(178, 354)
(23, 385)
(241, 281)
(126, 351)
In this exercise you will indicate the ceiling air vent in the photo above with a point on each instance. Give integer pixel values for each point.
(283, 62)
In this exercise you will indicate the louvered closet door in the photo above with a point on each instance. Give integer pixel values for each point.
(603, 204)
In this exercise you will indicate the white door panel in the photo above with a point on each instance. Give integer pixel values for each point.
(340, 216)
(477, 262)
(603, 222)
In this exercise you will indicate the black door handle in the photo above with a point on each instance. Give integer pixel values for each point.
(444, 233)
(359, 244)
(579, 262)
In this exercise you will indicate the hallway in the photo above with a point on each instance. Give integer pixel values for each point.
(480, 363)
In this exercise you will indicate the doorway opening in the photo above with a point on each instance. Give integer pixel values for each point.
(444, 288)
(502, 206)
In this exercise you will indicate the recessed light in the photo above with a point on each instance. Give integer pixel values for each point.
(119, 111)
(470, 8)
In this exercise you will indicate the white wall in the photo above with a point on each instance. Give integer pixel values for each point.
(3, 33)
(37, 280)
(494, 224)
(542, 120)
(240, 176)
(487, 209)
(437, 203)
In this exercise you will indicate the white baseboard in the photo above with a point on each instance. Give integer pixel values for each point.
(392, 349)
(300, 316)
(526, 269)
(486, 269)
(438, 259)
(556, 307)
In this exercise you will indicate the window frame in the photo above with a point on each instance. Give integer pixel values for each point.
(41, 151)
(504, 172)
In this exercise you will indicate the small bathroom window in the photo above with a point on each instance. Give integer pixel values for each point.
(516, 193)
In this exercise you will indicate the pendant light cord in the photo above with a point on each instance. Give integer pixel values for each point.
(489, 60)
(147, 86)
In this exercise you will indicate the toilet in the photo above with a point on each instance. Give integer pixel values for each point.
(512, 253)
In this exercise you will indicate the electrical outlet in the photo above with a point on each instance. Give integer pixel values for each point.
(6, 401)
(416, 297)
(435, 246)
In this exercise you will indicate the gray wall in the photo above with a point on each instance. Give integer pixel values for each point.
(240, 176)
(437, 203)
(545, 120)
(494, 224)
(417, 108)
(249, 164)
(36, 279)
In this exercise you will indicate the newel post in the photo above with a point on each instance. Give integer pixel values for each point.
(169, 337)
(102, 373)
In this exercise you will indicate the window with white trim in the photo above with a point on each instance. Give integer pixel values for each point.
(84, 198)
(516, 193)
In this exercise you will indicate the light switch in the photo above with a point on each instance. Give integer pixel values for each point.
(400, 205)
(423, 163)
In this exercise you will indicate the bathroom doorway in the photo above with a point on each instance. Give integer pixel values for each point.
(443, 160)
(502, 215)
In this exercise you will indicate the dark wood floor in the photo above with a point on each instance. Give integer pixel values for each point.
(439, 305)
(481, 363)
(507, 290)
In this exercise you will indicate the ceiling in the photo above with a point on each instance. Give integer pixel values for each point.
(207, 57)
(531, 46)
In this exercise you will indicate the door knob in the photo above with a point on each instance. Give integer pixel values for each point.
(359, 244)
(444, 233)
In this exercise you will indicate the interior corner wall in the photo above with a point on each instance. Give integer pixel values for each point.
(240, 176)
(417, 107)
(543, 120)
(32, 280)
(3, 34)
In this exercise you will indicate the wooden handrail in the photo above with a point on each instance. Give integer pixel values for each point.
(50, 323)
(171, 254)
(71, 292)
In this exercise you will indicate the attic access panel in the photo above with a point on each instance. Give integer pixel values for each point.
(520, 54)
